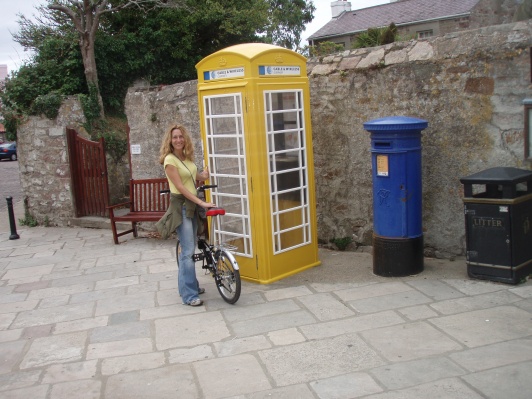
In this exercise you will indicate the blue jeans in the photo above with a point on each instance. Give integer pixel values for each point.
(187, 281)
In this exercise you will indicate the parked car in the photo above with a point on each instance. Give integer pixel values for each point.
(8, 151)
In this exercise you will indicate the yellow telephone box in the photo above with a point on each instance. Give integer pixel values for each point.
(255, 125)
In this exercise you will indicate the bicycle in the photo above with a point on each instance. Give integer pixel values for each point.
(216, 258)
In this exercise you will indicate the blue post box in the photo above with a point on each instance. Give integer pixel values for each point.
(397, 195)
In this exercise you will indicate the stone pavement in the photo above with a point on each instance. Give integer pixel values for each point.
(83, 318)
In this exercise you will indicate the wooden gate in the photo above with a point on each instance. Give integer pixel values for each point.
(88, 170)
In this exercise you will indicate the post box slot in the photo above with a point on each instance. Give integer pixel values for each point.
(382, 144)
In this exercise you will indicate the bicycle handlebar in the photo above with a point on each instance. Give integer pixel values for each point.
(201, 188)
(207, 186)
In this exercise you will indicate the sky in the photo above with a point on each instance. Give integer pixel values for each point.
(13, 55)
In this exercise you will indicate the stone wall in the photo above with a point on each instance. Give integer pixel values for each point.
(150, 111)
(44, 165)
(469, 86)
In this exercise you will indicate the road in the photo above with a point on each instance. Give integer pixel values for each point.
(9, 183)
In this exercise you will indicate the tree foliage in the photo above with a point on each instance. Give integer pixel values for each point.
(159, 45)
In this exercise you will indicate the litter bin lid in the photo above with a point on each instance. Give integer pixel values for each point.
(395, 123)
(499, 175)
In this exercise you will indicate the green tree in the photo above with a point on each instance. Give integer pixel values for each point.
(161, 45)
(286, 21)
(84, 17)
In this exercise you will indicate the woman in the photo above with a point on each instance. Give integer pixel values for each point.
(177, 157)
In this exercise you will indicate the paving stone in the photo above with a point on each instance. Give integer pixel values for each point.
(407, 374)
(53, 315)
(286, 337)
(31, 286)
(117, 282)
(10, 335)
(80, 325)
(169, 311)
(58, 291)
(9, 298)
(436, 290)
(70, 372)
(486, 326)
(54, 301)
(38, 392)
(319, 359)
(476, 302)
(120, 332)
(171, 382)
(124, 317)
(169, 297)
(91, 296)
(19, 379)
(326, 307)
(117, 259)
(6, 319)
(10, 353)
(37, 331)
(125, 364)
(241, 345)
(258, 311)
(86, 389)
(524, 291)
(242, 374)
(119, 348)
(271, 323)
(496, 355)
(125, 303)
(299, 391)
(55, 349)
(418, 312)
(145, 287)
(409, 341)
(451, 388)
(475, 287)
(388, 302)
(190, 330)
(373, 290)
(189, 355)
(332, 287)
(285, 293)
(18, 306)
(517, 379)
(27, 272)
(350, 325)
(348, 386)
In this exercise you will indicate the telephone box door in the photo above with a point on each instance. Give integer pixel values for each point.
(225, 151)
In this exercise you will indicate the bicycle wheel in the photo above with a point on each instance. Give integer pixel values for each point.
(227, 278)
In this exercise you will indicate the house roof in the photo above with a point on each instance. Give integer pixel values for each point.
(400, 13)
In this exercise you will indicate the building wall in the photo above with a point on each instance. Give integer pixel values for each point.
(485, 13)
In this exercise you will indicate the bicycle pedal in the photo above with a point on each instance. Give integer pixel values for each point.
(197, 257)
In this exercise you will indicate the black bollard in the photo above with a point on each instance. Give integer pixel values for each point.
(12, 224)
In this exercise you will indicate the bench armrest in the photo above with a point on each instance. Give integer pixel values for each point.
(121, 205)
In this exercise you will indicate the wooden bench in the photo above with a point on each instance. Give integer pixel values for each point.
(146, 204)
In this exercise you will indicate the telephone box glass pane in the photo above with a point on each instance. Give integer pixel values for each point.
(285, 130)
(227, 164)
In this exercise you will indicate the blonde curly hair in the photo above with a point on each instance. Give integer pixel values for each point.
(168, 148)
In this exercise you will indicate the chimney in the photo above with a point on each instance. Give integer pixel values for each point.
(338, 7)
